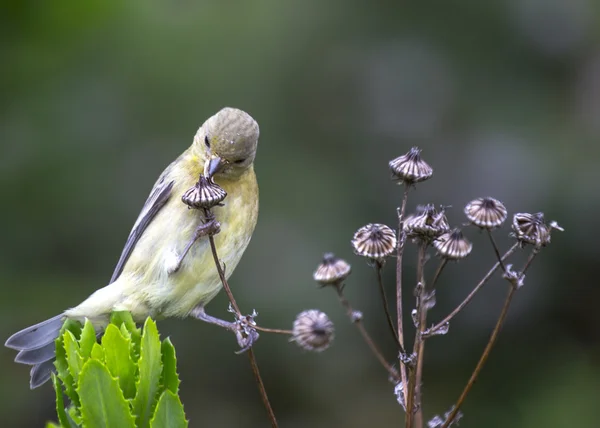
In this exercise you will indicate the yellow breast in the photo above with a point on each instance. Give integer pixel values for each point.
(151, 289)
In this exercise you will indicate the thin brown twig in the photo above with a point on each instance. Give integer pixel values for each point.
(399, 320)
(532, 255)
(378, 269)
(273, 330)
(250, 352)
(420, 352)
(470, 296)
(361, 328)
(438, 272)
(490, 344)
(496, 251)
(482, 359)
(414, 383)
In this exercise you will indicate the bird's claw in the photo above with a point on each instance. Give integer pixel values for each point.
(245, 333)
(210, 227)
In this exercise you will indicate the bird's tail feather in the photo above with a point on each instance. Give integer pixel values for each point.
(36, 347)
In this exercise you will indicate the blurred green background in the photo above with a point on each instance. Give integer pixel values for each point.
(503, 97)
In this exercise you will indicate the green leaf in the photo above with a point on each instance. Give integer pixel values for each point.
(170, 379)
(124, 320)
(118, 359)
(73, 356)
(149, 374)
(169, 412)
(60, 404)
(102, 402)
(72, 326)
(62, 369)
(87, 340)
(75, 416)
(52, 425)
(98, 352)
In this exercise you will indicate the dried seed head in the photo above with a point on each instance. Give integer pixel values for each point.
(486, 213)
(427, 224)
(332, 270)
(531, 229)
(410, 168)
(375, 241)
(205, 194)
(453, 245)
(313, 330)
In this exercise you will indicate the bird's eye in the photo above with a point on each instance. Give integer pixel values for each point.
(240, 161)
(206, 141)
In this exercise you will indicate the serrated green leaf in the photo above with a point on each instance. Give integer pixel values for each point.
(118, 359)
(73, 356)
(72, 326)
(52, 425)
(87, 340)
(126, 334)
(60, 403)
(62, 370)
(124, 320)
(73, 413)
(150, 368)
(102, 402)
(98, 352)
(62, 367)
(119, 318)
(170, 379)
(169, 412)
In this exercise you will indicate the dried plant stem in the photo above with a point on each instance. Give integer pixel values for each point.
(478, 287)
(496, 251)
(399, 315)
(273, 330)
(378, 269)
(483, 358)
(361, 328)
(534, 253)
(416, 374)
(438, 272)
(250, 352)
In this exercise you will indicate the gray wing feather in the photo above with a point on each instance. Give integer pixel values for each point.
(158, 198)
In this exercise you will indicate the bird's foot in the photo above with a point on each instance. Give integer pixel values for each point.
(209, 228)
(246, 333)
(243, 327)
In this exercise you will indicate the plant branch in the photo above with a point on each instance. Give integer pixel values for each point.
(273, 330)
(250, 352)
(496, 251)
(482, 359)
(378, 269)
(481, 283)
(399, 315)
(416, 374)
(361, 328)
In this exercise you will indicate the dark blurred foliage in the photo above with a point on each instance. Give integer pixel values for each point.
(503, 97)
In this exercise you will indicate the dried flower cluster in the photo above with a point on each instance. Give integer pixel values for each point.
(429, 229)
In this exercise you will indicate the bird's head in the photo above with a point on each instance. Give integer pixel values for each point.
(228, 142)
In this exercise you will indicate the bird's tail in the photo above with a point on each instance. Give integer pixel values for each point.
(37, 348)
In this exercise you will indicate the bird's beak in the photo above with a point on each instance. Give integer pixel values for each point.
(213, 165)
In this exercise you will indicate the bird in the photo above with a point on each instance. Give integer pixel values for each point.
(166, 268)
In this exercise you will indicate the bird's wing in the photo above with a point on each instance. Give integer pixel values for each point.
(158, 198)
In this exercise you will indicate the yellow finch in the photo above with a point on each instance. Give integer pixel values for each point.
(156, 275)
